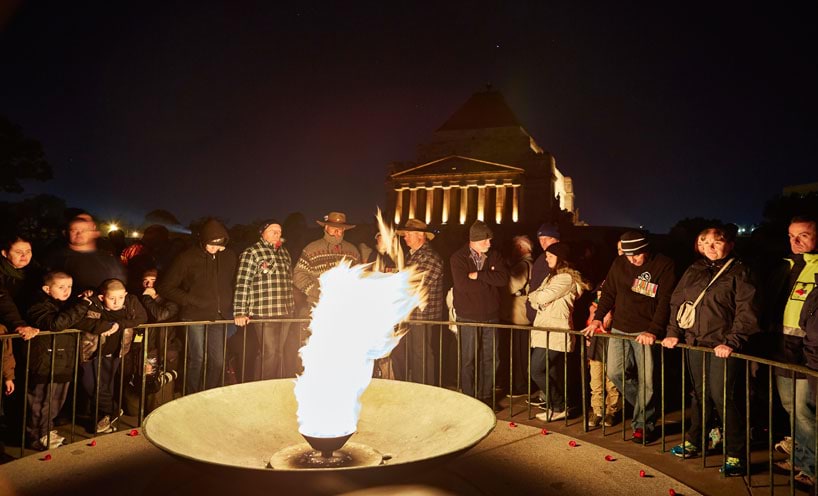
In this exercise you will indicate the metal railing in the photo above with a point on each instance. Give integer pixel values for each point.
(434, 332)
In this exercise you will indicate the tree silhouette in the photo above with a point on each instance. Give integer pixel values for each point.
(20, 158)
(161, 216)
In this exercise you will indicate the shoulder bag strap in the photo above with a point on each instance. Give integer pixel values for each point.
(723, 268)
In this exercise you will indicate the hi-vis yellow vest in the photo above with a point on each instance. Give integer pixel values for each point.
(802, 288)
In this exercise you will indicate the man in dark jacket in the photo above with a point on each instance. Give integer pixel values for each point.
(200, 281)
(639, 285)
(478, 274)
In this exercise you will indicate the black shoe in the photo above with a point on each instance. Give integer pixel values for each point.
(536, 400)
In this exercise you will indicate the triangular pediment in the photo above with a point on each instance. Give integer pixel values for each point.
(458, 165)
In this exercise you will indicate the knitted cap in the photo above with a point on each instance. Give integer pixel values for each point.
(479, 231)
(634, 243)
(265, 224)
(548, 230)
(560, 250)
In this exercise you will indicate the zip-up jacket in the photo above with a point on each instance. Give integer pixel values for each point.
(727, 313)
(201, 284)
(479, 299)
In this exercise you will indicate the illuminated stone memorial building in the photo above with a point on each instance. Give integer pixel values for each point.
(480, 164)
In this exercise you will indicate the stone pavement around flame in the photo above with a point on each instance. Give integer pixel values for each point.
(511, 460)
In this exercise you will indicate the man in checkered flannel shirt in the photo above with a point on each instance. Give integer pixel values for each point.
(264, 290)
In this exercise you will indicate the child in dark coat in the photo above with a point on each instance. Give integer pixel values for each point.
(117, 314)
(53, 311)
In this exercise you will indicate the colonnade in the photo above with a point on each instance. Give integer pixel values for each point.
(458, 203)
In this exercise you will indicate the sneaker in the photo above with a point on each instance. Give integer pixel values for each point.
(56, 439)
(715, 438)
(544, 416)
(733, 467)
(611, 419)
(803, 479)
(557, 415)
(685, 450)
(784, 446)
(104, 425)
(786, 466)
(594, 420)
(536, 400)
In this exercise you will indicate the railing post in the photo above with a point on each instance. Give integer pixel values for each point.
(662, 372)
(684, 396)
(583, 387)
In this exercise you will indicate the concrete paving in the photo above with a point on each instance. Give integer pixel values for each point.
(511, 460)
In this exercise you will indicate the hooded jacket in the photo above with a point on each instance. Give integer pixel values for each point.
(201, 283)
(727, 313)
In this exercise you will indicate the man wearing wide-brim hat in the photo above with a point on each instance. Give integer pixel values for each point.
(324, 254)
(421, 367)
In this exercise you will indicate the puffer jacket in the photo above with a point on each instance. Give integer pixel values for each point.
(554, 302)
(131, 315)
(728, 312)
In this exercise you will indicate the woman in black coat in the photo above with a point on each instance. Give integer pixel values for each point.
(725, 316)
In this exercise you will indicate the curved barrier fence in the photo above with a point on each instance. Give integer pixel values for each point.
(159, 368)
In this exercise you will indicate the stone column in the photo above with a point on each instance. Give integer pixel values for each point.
(447, 196)
(515, 206)
(499, 203)
(430, 196)
(481, 202)
(398, 205)
(413, 202)
(464, 203)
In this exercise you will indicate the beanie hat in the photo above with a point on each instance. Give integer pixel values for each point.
(548, 230)
(560, 250)
(479, 231)
(634, 243)
(265, 224)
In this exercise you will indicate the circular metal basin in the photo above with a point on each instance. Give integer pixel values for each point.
(242, 426)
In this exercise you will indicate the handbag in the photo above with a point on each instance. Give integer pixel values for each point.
(686, 316)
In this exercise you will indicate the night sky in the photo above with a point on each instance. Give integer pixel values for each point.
(247, 110)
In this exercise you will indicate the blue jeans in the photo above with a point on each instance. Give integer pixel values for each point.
(480, 343)
(624, 354)
(196, 356)
(804, 448)
(555, 374)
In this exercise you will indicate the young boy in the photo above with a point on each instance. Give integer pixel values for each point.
(160, 368)
(52, 311)
(117, 313)
(606, 412)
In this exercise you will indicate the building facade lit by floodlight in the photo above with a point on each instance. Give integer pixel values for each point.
(480, 164)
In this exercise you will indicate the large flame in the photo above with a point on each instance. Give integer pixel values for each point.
(352, 324)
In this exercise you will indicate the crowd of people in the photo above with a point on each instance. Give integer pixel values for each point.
(717, 303)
